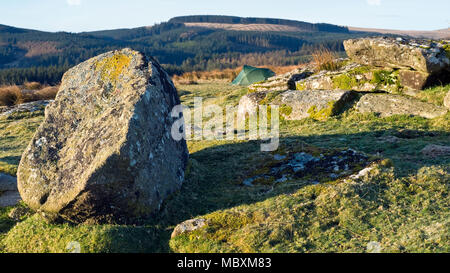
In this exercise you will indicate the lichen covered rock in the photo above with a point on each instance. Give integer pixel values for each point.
(282, 82)
(353, 76)
(104, 152)
(420, 63)
(317, 104)
(419, 55)
(390, 104)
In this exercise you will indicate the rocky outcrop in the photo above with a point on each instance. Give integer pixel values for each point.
(418, 55)
(104, 152)
(390, 104)
(321, 165)
(317, 104)
(419, 62)
(296, 105)
(352, 76)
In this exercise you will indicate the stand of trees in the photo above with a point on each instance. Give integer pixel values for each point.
(179, 48)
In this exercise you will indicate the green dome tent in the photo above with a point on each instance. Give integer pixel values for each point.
(250, 74)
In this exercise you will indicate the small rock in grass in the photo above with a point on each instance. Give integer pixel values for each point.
(433, 150)
(188, 226)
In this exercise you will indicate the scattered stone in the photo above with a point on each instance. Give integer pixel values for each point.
(362, 173)
(17, 213)
(319, 104)
(373, 247)
(297, 165)
(104, 152)
(350, 77)
(433, 150)
(390, 104)
(188, 226)
(24, 107)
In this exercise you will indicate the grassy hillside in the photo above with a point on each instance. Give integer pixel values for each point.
(401, 205)
(30, 55)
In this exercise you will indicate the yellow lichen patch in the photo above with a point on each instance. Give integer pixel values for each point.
(112, 67)
(322, 114)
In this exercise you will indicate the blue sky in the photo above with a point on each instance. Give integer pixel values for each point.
(86, 15)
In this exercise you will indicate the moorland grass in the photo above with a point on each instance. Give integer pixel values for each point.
(401, 206)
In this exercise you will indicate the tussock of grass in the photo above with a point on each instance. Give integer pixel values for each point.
(10, 95)
(13, 95)
(325, 59)
(434, 94)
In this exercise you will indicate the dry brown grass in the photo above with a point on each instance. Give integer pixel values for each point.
(226, 75)
(13, 94)
(10, 95)
(46, 93)
(32, 85)
(198, 76)
(325, 59)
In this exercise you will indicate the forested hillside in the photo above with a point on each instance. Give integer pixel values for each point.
(30, 55)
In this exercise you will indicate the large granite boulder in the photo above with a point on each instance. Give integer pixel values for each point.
(104, 152)
(419, 55)
(390, 104)
(420, 63)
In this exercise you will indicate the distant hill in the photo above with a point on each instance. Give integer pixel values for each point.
(182, 44)
(435, 34)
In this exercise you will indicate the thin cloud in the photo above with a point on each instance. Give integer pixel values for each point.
(374, 2)
(74, 2)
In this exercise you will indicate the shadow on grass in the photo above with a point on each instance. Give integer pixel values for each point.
(214, 182)
(214, 179)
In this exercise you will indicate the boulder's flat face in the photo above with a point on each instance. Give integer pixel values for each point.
(389, 104)
(419, 55)
(447, 100)
(104, 152)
